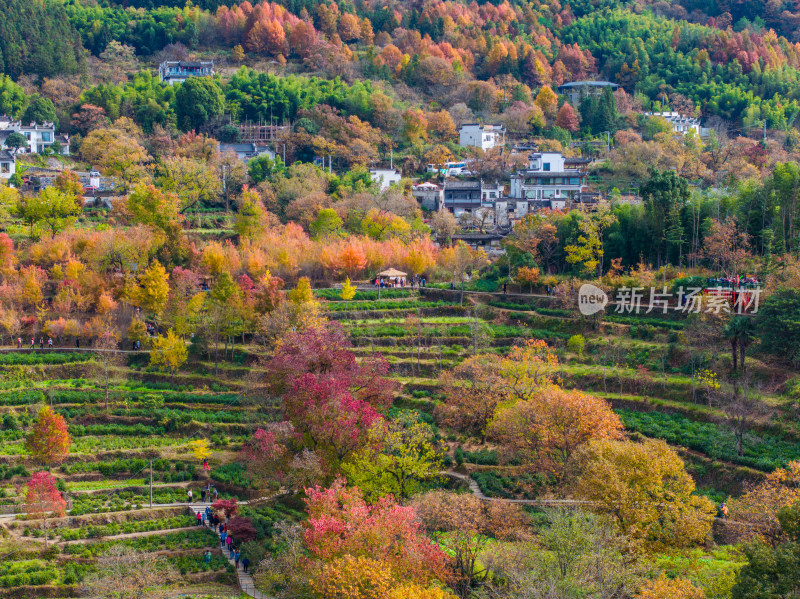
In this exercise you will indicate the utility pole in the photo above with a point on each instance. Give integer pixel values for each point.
(151, 483)
(225, 186)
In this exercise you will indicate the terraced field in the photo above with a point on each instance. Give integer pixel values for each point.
(146, 423)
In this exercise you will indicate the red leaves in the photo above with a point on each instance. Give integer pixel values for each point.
(43, 497)
(329, 397)
(341, 523)
(229, 506)
(242, 529)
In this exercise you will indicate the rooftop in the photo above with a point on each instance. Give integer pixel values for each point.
(186, 64)
(455, 184)
(486, 126)
(530, 173)
(588, 84)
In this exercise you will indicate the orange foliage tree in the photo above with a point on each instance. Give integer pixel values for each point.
(553, 424)
(48, 440)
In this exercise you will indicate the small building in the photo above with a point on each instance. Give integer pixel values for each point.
(246, 151)
(490, 192)
(480, 136)
(8, 164)
(385, 177)
(429, 195)
(549, 177)
(40, 136)
(461, 196)
(178, 71)
(487, 240)
(680, 124)
(576, 91)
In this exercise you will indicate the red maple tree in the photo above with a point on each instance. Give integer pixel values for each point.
(48, 440)
(43, 499)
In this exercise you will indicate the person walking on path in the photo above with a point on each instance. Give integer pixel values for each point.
(199, 518)
(222, 537)
(41, 342)
(33, 343)
(245, 564)
(202, 495)
(229, 543)
(189, 493)
(236, 555)
(49, 343)
(19, 342)
(208, 557)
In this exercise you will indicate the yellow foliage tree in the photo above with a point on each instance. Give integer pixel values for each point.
(301, 294)
(670, 588)
(547, 100)
(646, 489)
(348, 290)
(200, 449)
(153, 289)
(169, 352)
(351, 577)
(414, 591)
(529, 367)
(761, 503)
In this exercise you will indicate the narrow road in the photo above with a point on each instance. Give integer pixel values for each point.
(476, 490)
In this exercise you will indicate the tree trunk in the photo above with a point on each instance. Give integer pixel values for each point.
(742, 348)
(734, 352)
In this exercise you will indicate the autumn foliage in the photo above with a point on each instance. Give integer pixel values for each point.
(551, 426)
(48, 440)
(341, 523)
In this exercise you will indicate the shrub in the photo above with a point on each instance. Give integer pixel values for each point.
(576, 344)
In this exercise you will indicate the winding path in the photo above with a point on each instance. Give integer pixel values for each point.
(476, 490)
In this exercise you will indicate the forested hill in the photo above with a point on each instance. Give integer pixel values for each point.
(737, 60)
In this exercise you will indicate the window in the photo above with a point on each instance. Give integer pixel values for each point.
(5, 167)
(574, 180)
(546, 166)
(46, 136)
(27, 135)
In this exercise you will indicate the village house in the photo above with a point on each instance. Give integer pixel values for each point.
(178, 71)
(549, 177)
(40, 136)
(484, 137)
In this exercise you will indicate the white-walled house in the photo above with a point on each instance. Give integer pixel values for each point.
(492, 191)
(385, 177)
(549, 178)
(8, 165)
(680, 124)
(40, 136)
(178, 71)
(429, 195)
(480, 136)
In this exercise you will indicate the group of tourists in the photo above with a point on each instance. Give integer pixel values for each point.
(206, 492)
(41, 343)
(220, 525)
